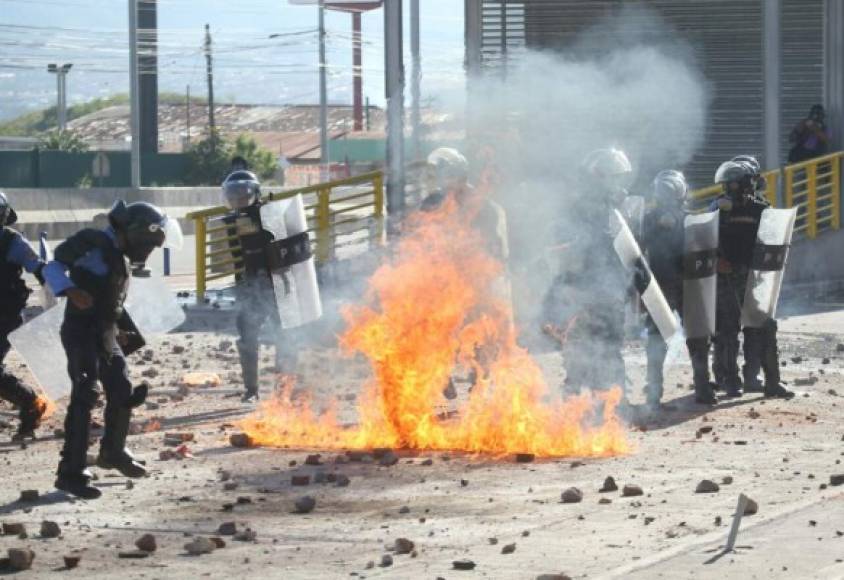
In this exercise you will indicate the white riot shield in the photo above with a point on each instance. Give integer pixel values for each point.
(633, 210)
(39, 344)
(700, 258)
(767, 266)
(631, 257)
(152, 306)
(295, 284)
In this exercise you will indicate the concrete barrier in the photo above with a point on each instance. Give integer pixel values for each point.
(60, 212)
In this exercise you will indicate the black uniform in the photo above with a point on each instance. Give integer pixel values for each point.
(89, 337)
(593, 288)
(663, 242)
(739, 225)
(254, 289)
(13, 297)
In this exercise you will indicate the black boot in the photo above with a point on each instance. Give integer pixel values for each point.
(30, 419)
(113, 452)
(249, 370)
(726, 361)
(753, 346)
(73, 475)
(656, 351)
(699, 355)
(774, 388)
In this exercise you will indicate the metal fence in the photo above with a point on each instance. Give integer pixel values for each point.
(344, 216)
(813, 187)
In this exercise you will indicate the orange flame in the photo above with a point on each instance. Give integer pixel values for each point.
(435, 306)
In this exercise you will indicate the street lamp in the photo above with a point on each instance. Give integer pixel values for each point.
(61, 87)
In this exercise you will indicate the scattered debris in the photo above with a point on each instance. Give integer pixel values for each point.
(218, 542)
(342, 480)
(50, 529)
(604, 500)
(463, 565)
(200, 379)
(146, 543)
(572, 495)
(21, 558)
(72, 561)
(29, 495)
(631, 490)
(227, 529)
(836, 480)
(305, 504)
(553, 577)
(403, 546)
(14, 529)
(508, 548)
(523, 458)
(727, 480)
(133, 554)
(300, 480)
(386, 561)
(609, 485)
(388, 459)
(751, 507)
(200, 545)
(240, 440)
(707, 486)
(247, 535)
(315, 459)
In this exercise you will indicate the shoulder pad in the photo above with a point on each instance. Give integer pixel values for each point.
(80, 244)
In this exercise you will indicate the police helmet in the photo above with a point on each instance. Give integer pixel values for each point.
(736, 177)
(610, 169)
(670, 185)
(449, 167)
(751, 161)
(241, 189)
(7, 214)
(144, 227)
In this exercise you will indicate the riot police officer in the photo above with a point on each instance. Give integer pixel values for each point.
(593, 285)
(663, 243)
(254, 286)
(16, 255)
(92, 268)
(448, 173)
(741, 209)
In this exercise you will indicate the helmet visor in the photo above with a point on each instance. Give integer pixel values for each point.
(240, 194)
(173, 237)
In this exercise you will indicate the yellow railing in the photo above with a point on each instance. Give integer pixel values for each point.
(331, 213)
(813, 187)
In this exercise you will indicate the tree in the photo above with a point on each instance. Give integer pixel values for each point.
(209, 160)
(67, 141)
(261, 161)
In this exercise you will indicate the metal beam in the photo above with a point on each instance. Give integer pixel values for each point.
(323, 96)
(394, 82)
(834, 71)
(772, 49)
(415, 80)
(133, 94)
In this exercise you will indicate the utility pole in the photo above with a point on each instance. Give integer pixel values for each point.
(134, 100)
(394, 82)
(323, 96)
(148, 77)
(187, 114)
(61, 92)
(357, 70)
(209, 69)
(416, 76)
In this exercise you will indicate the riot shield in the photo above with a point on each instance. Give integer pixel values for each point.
(700, 258)
(48, 299)
(633, 210)
(39, 344)
(767, 266)
(292, 265)
(631, 257)
(150, 303)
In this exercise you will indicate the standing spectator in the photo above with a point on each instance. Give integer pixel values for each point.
(809, 136)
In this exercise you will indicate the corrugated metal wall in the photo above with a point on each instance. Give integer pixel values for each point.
(802, 76)
(727, 39)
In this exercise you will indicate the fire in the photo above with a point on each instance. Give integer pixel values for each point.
(440, 304)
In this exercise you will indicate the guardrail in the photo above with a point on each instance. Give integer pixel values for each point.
(332, 213)
(813, 187)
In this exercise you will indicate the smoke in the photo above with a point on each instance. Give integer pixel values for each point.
(629, 82)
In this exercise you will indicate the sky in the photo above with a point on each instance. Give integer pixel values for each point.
(249, 66)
